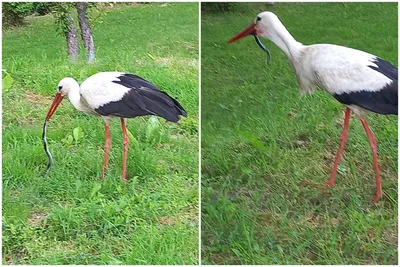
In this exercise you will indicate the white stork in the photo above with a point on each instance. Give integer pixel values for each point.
(360, 81)
(117, 94)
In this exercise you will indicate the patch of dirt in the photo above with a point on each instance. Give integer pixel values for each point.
(167, 220)
(194, 220)
(36, 218)
(64, 246)
(390, 235)
(188, 62)
(313, 220)
(190, 45)
(26, 121)
(36, 99)
(14, 193)
(301, 141)
(116, 5)
(164, 61)
(9, 259)
(224, 258)
(167, 62)
(161, 145)
(329, 158)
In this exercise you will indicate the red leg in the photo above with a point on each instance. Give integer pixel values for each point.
(126, 141)
(106, 150)
(343, 139)
(372, 143)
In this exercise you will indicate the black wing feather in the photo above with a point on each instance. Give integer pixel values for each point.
(386, 68)
(383, 101)
(143, 98)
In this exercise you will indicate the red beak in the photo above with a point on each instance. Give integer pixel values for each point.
(57, 100)
(250, 30)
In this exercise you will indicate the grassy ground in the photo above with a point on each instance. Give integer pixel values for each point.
(266, 152)
(70, 217)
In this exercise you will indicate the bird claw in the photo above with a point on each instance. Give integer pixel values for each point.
(329, 183)
(377, 197)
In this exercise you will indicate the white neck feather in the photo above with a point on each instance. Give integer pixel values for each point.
(75, 97)
(284, 40)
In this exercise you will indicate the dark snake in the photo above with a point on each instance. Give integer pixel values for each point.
(262, 46)
(46, 149)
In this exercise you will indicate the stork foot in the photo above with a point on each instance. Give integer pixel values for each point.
(329, 183)
(376, 197)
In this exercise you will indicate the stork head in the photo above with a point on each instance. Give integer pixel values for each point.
(63, 88)
(264, 25)
(65, 85)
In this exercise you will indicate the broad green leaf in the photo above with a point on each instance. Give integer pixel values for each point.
(7, 82)
(68, 140)
(96, 187)
(78, 134)
(253, 140)
(153, 127)
(132, 138)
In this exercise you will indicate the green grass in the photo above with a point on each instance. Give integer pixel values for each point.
(266, 151)
(70, 217)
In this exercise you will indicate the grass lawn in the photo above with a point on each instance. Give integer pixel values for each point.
(266, 151)
(70, 217)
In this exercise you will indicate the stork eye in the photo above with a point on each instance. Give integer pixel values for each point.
(258, 18)
(59, 88)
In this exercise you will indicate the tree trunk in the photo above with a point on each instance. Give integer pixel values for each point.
(86, 32)
(72, 39)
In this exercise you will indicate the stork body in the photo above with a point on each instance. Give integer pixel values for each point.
(117, 94)
(359, 80)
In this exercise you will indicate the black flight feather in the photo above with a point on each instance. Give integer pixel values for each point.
(143, 98)
(383, 101)
(385, 68)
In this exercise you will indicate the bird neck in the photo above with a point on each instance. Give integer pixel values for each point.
(75, 96)
(284, 40)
